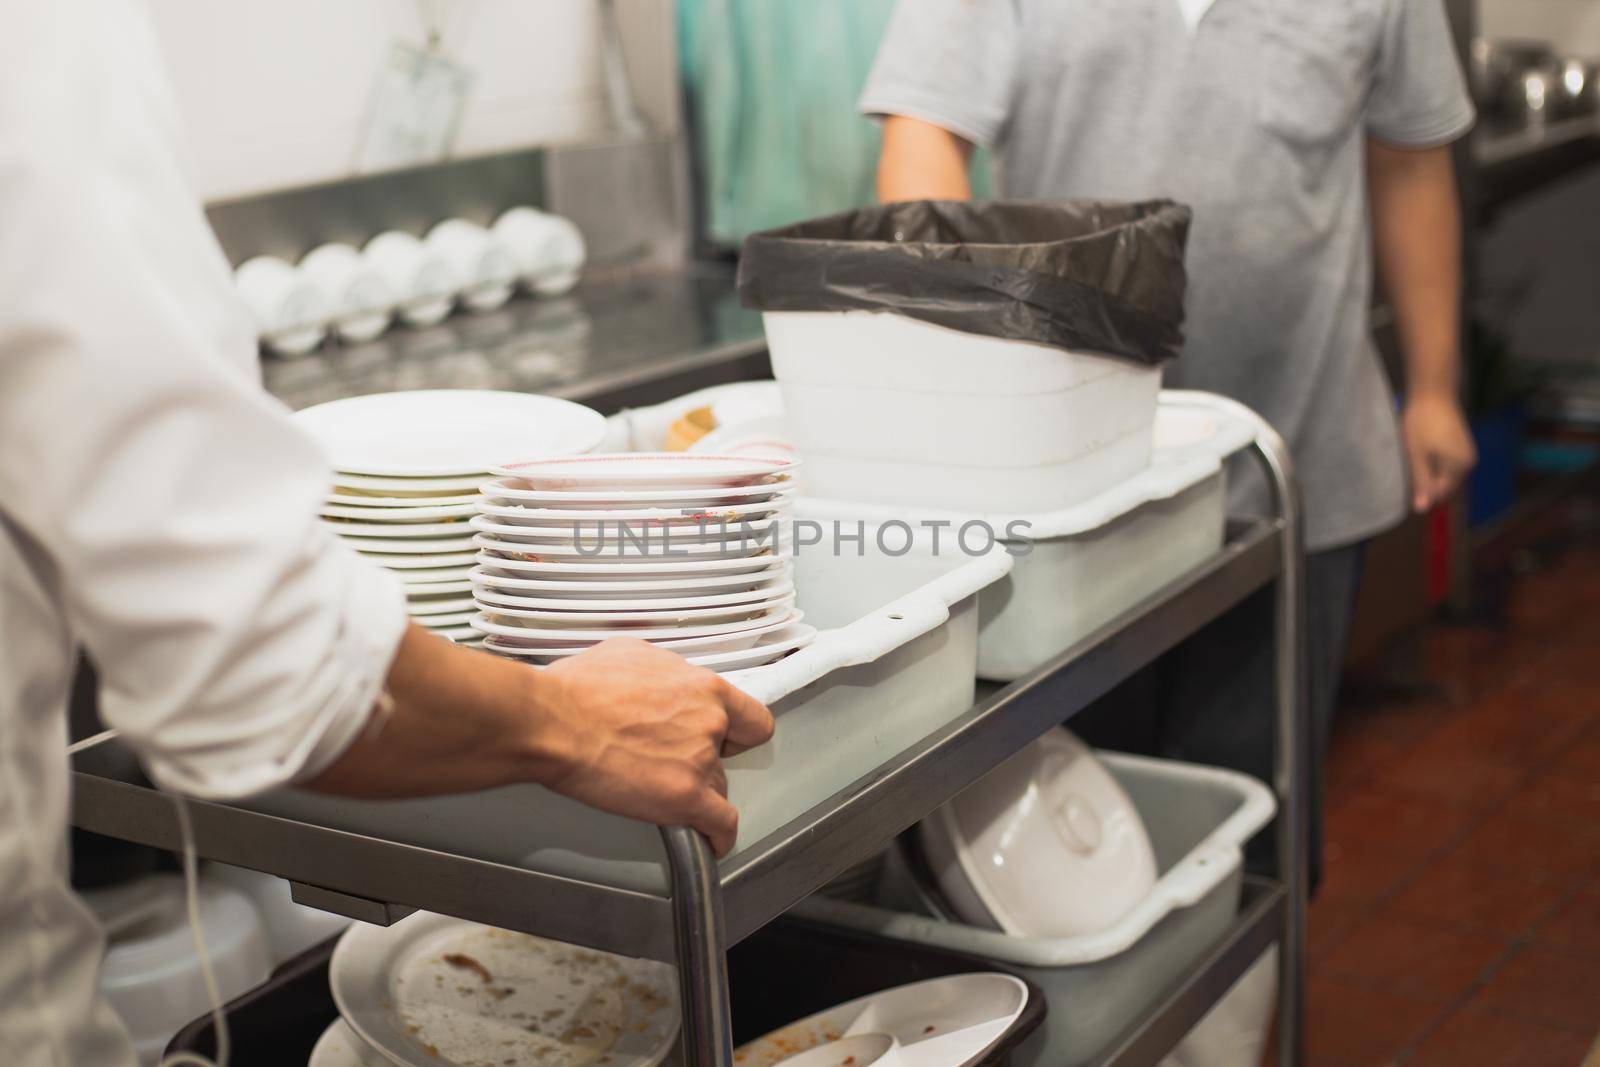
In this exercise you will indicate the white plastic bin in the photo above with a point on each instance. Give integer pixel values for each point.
(898, 411)
(895, 660)
(1199, 819)
(1087, 563)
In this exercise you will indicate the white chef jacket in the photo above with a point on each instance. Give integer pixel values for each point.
(157, 508)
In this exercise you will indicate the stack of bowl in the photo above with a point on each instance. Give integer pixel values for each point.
(690, 552)
(406, 470)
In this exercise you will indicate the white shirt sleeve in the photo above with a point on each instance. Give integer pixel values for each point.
(238, 644)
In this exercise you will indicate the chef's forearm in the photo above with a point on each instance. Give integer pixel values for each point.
(461, 721)
(1416, 224)
(921, 161)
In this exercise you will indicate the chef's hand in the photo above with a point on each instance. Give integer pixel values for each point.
(1438, 446)
(636, 731)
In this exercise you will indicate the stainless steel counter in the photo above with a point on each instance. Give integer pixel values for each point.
(631, 340)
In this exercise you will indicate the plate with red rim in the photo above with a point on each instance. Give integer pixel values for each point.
(586, 607)
(491, 552)
(645, 470)
(562, 570)
(702, 585)
(521, 645)
(567, 635)
(644, 615)
(720, 514)
(612, 499)
(601, 538)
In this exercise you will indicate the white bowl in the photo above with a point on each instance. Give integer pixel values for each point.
(424, 284)
(487, 270)
(549, 250)
(1046, 845)
(289, 311)
(359, 298)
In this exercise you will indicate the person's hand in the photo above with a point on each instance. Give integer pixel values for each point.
(637, 731)
(1438, 446)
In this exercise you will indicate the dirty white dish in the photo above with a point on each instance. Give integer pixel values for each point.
(779, 644)
(626, 598)
(644, 470)
(632, 608)
(942, 1022)
(646, 586)
(433, 991)
(642, 614)
(659, 546)
(595, 535)
(443, 433)
(610, 499)
(422, 584)
(634, 570)
(419, 514)
(1053, 816)
(566, 635)
(722, 514)
(396, 530)
(703, 645)
(340, 1046)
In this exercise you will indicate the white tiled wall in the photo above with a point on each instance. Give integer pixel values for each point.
(274, 93)
(1573, 25)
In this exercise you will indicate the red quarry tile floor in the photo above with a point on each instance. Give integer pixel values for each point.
(1459, 920)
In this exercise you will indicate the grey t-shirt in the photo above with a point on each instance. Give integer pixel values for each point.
(1257, 120)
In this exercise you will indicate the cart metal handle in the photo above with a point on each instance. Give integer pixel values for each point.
(707, 1035)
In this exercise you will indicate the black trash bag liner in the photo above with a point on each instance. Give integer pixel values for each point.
(1101, 276)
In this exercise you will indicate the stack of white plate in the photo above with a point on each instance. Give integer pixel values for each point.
(690, 552)
(406, 472)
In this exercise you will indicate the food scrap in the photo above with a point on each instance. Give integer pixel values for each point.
(461, 961)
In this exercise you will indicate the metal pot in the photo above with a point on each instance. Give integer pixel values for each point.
(1517, 81)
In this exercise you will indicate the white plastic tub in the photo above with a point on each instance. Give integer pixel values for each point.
(1199, 819)
(897, 411)
(1087, 563)
(896, 660)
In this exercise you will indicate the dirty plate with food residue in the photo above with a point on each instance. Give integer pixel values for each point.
(943, 1022)
(433, 991)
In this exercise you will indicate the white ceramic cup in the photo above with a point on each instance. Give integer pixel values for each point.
(424, 284)
(486, 267)
(289, 312)
(361, 298)
(549, 250)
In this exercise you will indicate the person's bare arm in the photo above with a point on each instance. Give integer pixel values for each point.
(1416, 224)
(626, 727)
(921, 161)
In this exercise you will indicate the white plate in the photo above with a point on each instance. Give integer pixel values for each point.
(418, 604)
(339, 1046)
(633, 570)
(780, 643)
(420, 488)
(428, 514)
(624, 552)
(730, 515)
(410, 562)
(394, 988)
(397, 529)
(447, 621)
(571, 635)
(602, 538)
(644, 470)
(642, 618)
(420, 546)
(942, 1022)
(727, 642)
(458, 634)
(364, 500)
(424, 586)
(1052, 815)
(446, 432)
(610, 499)
(597, 608)
(671, 587)
(765, 437)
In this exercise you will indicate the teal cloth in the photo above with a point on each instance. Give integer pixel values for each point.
(770, 87)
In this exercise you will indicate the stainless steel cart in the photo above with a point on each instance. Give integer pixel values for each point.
(712, 906)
